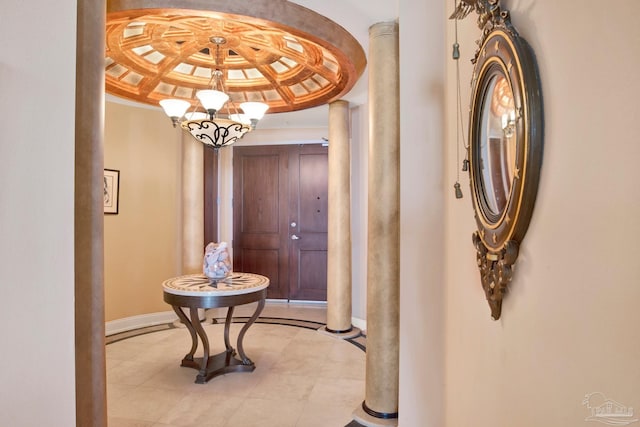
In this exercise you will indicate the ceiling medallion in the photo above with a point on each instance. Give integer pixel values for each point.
(275, 52)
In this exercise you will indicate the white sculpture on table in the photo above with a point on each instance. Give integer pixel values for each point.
(217, 263)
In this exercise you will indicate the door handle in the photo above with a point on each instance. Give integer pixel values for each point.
(294, 237)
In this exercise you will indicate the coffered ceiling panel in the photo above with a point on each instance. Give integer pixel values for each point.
(298, 61)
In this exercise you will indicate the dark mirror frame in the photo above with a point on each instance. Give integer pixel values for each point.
(497, 240)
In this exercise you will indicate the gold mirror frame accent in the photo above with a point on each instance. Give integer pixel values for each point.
(503, 56)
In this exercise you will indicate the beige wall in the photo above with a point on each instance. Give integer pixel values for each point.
(570, 324)
(150, 204)
(142, 242)
(142, 246)
(37, 86)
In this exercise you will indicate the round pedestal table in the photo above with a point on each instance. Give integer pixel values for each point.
(195, 291)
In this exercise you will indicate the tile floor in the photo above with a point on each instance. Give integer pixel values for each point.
(302, 377)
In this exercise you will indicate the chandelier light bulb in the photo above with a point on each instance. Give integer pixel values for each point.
(174, 108)
(254, 110)
(212, 100)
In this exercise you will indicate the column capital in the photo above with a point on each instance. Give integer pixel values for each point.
(383, 29)
(339, 102)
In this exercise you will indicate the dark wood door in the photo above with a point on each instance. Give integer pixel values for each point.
(308, 204)
(260, 215)
(280, 218)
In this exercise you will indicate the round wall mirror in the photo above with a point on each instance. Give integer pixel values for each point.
(505, 138)
(505, 151)
(497, 144)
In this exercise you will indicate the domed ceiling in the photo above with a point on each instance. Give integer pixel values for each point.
(273, 51)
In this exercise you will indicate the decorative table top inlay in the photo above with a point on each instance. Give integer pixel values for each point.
(199, 285)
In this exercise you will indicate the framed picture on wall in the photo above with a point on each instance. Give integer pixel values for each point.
(111, 190)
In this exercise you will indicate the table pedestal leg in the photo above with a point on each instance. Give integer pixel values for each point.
(245, 359)
(195, 321)
(227, 326)
(194, 339)
(222, 363)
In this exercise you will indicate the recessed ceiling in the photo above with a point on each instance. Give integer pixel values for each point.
(275, 52)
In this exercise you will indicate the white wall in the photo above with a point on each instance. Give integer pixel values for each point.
(422, 243)
(570, 324)
(359, 213)
(37, 106)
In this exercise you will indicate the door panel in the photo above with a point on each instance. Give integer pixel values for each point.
(313, 195)
(308, 209)
(260, 194)
(261, 261)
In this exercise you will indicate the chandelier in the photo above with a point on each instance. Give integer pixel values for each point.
(208, 128)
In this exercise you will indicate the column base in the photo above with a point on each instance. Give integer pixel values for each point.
(364, 419)
(353, 332)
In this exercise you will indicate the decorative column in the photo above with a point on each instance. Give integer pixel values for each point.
(192, 208)
(192, 205)
(90, 379)
(380, 407)
(339, 227)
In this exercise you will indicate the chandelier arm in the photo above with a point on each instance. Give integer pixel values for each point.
(218, 132)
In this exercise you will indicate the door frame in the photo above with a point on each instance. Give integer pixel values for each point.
(210, 185)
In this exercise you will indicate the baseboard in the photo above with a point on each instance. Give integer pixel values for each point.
(294, 303)
(140, 321)
(359, 323)
(153, 319)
